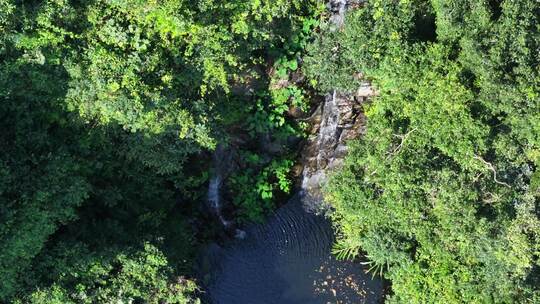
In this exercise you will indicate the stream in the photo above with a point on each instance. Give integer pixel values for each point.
(288, 259)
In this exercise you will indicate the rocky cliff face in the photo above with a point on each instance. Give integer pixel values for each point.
(338, 119)
(338, 8)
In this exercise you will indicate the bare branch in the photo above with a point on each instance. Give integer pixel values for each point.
(403, 139)
(492, 168)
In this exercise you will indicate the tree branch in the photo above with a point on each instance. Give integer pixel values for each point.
(492, 168)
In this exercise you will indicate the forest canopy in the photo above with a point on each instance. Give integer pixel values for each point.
(442, 192)
(111, 111)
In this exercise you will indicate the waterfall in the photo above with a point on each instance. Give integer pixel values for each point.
(288, 259)
(222, 165)
(221, 162)
(328, 131)
(325, 151)
(341, 119)
(320, 153)
(338, 9)
(213, 192)
(214, 200)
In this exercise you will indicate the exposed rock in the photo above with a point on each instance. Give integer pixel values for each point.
(338, 8)
(295, 112)
(341, 120)
(297, 170)
(365, 90)
(240, 234)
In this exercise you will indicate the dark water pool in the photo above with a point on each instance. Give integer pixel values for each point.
(286, 260)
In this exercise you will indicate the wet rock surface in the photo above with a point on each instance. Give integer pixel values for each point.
(338, 8)
(340, 119)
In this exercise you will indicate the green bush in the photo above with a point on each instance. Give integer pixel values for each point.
(139, 276)
(108, 108)
(255, 190)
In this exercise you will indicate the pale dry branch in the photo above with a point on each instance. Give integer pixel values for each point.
(400, 146)
(492, 168)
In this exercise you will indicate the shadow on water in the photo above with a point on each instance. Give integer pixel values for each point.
(286, 260)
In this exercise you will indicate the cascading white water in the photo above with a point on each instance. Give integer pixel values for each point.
(220, 159)
(338, 9)
(214, 200)
(213, 192)
(323, 149)
(341, 119)
(328, 132)
(288, 259)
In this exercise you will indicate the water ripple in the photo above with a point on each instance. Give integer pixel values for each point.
(287, 260)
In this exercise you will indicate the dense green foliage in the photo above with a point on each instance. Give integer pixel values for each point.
(83, 277)
(253, 189)
(443, 191)
(109, 111)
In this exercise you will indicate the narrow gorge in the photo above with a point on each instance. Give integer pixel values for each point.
(287, 259)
